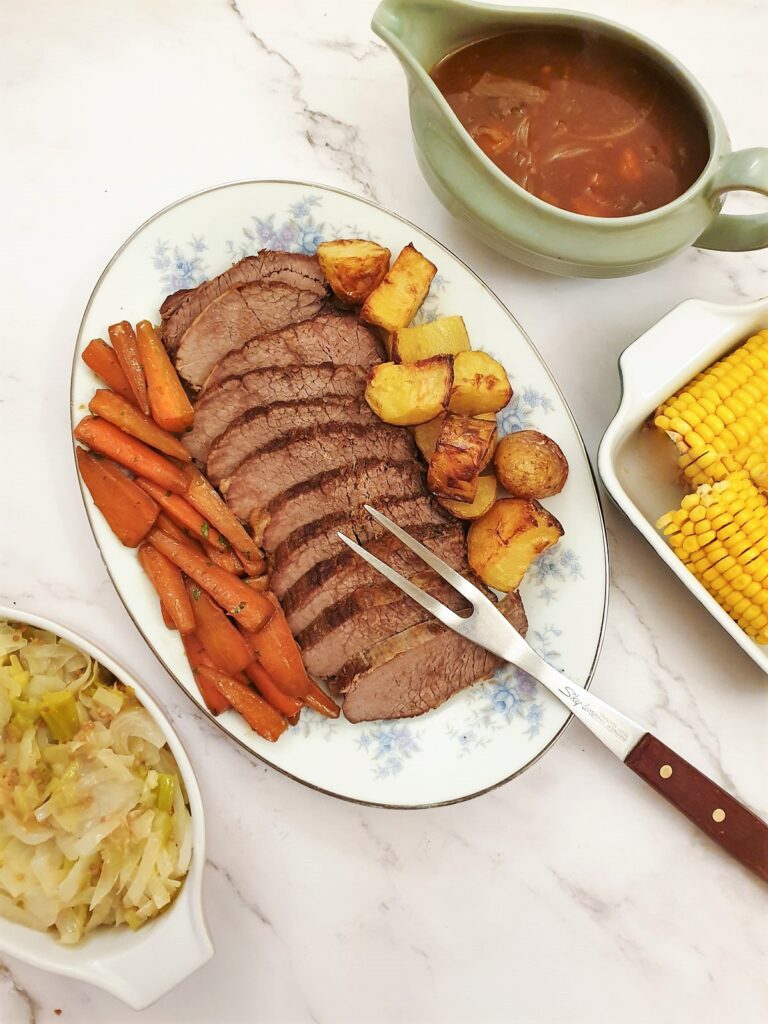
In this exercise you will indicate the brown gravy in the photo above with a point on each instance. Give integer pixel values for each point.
(580, 121)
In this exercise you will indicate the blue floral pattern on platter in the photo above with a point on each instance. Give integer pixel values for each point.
(510, 697)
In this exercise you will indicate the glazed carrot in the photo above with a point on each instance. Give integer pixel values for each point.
(167, 525)
(251, 566)
(101, 358)
(170, 406)
(261, 716)
(127, 351)
(224, 644)
(167, 581)
(278, 653)
(319, 701)
(294, 719)
(167, 620)
(128, 510)
(125, 415)
(182, 513)
(225, 558)
(110, 440)
(271, 693)
(260, 583)
(209, 503)
(251, 609)
(215, 701)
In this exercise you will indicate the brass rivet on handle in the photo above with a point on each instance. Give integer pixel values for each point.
(718, 815)
(665, 771)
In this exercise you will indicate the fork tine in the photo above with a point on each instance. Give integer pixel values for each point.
(434, 607)
(475, 597)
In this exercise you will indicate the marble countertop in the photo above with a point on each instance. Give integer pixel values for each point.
(571, 894)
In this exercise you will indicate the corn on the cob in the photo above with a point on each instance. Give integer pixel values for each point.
(719, 421)
(721, 533)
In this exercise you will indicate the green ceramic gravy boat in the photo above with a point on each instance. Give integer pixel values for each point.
(517, 223)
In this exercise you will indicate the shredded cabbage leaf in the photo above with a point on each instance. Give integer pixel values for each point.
(94, 821)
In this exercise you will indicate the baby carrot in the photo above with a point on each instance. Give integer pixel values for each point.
(124, 343)
(128, 510)
(271, 693)
(182, 513)
(251, 609)
(278, 653)
(125, 415)
(319, 701)
(167, 620)
(105, 437)
(261, 717)
(170, 406)
(169, 584)
(224, 644)
(215, 701)
(101, 358)
(208, 502)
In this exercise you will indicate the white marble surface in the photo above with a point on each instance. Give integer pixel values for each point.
(572, 894)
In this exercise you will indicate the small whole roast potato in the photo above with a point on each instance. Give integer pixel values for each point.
(353, 267)
(503, 543)
(530, 465)
(410, 393)
(480, 384)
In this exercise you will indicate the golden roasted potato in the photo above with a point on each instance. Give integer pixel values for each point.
(426, 434)
(409, 393)
(485, 496)
(445, 336)
(530, 465)
(394, 303)
(503, 543)
(480, 384)
(353, 267)
(491, 417)
(461, 447)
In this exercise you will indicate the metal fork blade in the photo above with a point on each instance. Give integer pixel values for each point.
(475, 596)
(428, 603)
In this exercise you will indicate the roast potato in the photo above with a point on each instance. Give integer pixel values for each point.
(480, 384)
(502, 544)
(485, 495)
(353, 267)
(445, 336)
(394, 303)
(409, 393)
(426, 435)
(462, 446)
(530, 465)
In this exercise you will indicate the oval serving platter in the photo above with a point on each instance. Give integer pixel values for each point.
(494, 730)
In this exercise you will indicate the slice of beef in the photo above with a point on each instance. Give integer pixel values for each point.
(417, 669)
(328, 337)
(331, 581)
(258, 427)
(220, 405)
(318, 541)
(368, 615)
(285, 462)
(294, 269)
(235, 316)
(336, 491)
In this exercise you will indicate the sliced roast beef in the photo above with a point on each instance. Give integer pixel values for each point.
(369, 480)
(285, 462)
(293, 269)
(417, 669)
(331, 581)
(318, 541)
(235, 316)
(364, 617)
(220, 405)
(258, 427)
(329, 337)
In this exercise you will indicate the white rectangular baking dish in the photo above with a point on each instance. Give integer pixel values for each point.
(638, 465)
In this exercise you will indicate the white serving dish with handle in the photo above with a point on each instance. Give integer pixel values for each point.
(638, 465)
(137, 967)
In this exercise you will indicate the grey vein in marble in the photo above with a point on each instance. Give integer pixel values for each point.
(323, 131)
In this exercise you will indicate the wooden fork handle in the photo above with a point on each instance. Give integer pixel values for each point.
(736, 829)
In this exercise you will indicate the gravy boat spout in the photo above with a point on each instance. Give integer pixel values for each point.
(522, 226)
